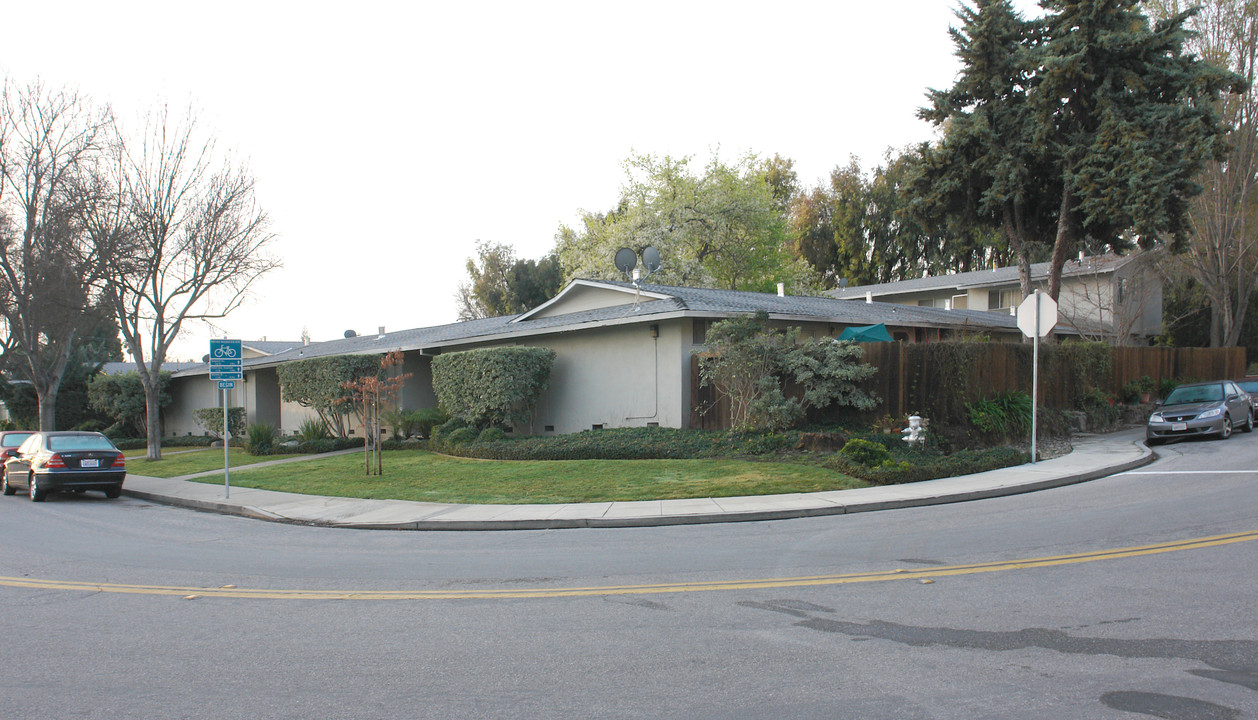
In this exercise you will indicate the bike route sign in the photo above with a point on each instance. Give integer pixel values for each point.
(225, 360)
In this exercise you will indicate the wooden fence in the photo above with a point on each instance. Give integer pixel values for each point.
(907, 380)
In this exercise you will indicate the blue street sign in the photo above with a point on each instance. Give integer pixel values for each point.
(225, 360)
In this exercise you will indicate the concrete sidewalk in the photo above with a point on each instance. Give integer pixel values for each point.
(1093, 457)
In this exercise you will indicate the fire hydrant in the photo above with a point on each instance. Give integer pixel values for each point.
(915, 433)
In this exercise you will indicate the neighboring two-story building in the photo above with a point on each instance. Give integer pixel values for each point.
(1105, 297)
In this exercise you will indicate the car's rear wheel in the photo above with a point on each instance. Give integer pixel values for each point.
(4, 480)
(113, 493)
(1226, 432)
(37, 494)
(1249, 423)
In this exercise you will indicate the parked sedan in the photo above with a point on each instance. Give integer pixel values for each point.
(50, 461)
(1208, 408)
(10, 440)
(1250, 386)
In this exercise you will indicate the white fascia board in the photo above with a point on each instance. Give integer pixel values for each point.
(592, 284)
(561, 329)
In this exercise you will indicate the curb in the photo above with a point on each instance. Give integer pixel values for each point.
(255, 513)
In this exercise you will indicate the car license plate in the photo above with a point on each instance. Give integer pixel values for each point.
(1179, 427)
(89, 462)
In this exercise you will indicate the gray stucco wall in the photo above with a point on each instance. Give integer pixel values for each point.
(189, 394)
(417, 392)
(264, 397)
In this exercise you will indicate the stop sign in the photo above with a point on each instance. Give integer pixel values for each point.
(1037, 305)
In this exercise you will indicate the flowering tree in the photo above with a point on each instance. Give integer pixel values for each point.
(367, 393)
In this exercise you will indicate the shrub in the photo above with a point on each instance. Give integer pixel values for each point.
(866, 453)
(1166, 386)
(461, 436)
(318, 383)
(259, 438)
(212, 420)
(491, 434)
(314, 447)
(421, 422)
(1132, 390)
(312, 429)
(442, 431)
(1002, 414)
(492, 386)
(746, 362)
(963, 462)
(641, 443)
(121, 398)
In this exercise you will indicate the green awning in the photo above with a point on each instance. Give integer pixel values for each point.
(868, 333)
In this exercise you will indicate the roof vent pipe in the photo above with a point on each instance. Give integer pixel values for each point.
(869, 296)
(781, 289)
(381, 332)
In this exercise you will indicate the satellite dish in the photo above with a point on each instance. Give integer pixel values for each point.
(651, 260)
(626, 260)
(350, 334)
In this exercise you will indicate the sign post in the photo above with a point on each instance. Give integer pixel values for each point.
(1036, 317)
(225, 367)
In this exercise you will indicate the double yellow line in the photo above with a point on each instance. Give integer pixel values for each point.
(230, 591)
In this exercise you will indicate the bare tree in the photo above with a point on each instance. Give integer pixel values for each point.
(196, 240)
(48, 264)
(1222, 255)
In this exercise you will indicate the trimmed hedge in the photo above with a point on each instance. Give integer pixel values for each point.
(492, 386)
(962, 462)
(626, 444)
(315, 447)
(167, 442)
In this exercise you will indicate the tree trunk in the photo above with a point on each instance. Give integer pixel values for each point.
(48, 405)
(1019, 246)
(153, 417)
(1061, 246)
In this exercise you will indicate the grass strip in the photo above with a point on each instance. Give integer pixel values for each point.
(177, 462)
(425, 476)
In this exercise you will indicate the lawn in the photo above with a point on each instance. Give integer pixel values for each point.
(181, 461)
(421, 475)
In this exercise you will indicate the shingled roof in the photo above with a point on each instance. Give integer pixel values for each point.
(1098, 264)
(657, 302)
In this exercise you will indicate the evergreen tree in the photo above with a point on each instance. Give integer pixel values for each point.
(1084, 128)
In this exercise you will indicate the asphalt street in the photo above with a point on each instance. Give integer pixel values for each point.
(1128, 596)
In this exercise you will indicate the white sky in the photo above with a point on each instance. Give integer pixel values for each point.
(388, 138)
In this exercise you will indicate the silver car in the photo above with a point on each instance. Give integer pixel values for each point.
(1207, 408)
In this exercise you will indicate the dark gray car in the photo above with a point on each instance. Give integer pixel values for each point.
(50, 461)
(1197, 409)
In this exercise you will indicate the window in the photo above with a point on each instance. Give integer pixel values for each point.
(1005, 299)
(79, 442)
(699, 333)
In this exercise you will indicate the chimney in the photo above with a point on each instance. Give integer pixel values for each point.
(869, 296)
(781, 289)
(381, 333)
